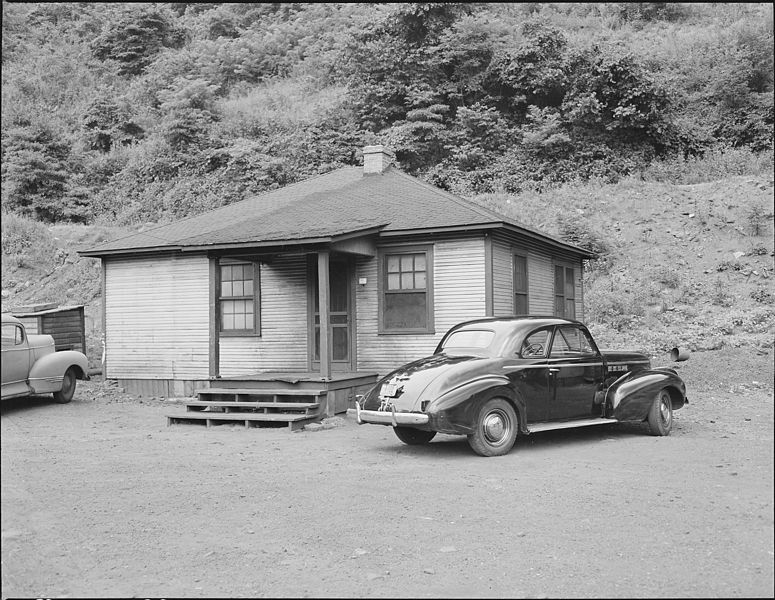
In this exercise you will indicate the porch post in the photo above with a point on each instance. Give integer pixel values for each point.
(214, 328)
(325, 309)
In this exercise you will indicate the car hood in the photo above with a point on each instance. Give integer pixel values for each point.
(427, 376)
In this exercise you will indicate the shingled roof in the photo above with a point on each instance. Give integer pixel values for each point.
(324, 208)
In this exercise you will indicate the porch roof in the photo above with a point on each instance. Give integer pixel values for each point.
(324, 208)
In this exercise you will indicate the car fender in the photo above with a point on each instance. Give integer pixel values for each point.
(47, 372)
(629, 398)
(457, 410)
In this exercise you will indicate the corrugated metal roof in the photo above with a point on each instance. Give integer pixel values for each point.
(326, 206)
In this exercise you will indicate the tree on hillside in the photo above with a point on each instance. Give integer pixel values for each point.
(35, 173)
(135, 39)
(106, 124)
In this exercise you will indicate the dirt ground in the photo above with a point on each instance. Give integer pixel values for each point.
(101, 499)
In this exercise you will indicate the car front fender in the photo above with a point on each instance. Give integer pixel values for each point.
(47, 372)
(457, 410)
(630, 397)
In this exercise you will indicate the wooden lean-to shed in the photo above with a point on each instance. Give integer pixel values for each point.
(64, 323)
(328, 282)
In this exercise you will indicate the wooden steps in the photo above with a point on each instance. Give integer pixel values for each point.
(253, 406)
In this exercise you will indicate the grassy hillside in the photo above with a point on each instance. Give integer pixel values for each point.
(681, 265)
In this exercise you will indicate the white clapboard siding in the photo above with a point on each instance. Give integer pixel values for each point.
(459, 294)
(157, 318)
(579, 292)
(282, 345)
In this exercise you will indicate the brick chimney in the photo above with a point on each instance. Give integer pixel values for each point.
(376, 159)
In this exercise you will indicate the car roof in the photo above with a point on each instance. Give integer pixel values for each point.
(9, 318)
(520, 321)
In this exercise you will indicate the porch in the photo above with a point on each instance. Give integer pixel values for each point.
(270, 399)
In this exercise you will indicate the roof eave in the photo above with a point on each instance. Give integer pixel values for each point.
(490, 226)
(97, 253)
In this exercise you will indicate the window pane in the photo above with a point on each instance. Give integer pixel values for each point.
(407, 261)
(406, 311)
(392, 263)
(419, 262)
(559, 306)
(419, 280)
(394, 281)
(407, 281)
(520, 304)
(569, 283)
(520, 274)
(535, 344)
(248, 287)
(559, 280)
(226, 289)
(339, 343)
(570, 309)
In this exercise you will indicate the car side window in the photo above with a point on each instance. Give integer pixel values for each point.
(12, 335)
(535, 344)
(571, 342)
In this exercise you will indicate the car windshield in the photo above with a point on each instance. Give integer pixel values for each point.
(477, 340)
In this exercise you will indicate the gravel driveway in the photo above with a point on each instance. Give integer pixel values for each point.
(101, 498)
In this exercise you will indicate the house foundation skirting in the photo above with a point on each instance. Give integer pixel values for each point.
(161, 388)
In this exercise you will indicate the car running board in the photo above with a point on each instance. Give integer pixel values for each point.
(549, 425)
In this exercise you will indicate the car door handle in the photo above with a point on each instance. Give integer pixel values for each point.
(554, 370)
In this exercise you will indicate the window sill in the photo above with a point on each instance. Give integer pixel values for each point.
(406, 332)
(239, 334)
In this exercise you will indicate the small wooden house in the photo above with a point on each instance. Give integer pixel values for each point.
(339, 277)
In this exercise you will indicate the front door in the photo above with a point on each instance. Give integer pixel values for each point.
(340, 330)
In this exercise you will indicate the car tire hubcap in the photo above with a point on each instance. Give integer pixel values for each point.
(496, 426)
(665, 410)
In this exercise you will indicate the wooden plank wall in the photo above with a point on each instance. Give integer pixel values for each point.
(459, 294)
(156, 317)
(67, 329)
(282, 345)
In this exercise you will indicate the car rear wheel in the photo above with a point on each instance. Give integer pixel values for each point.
(496, 428)
(414, 437)
(64, 395)
(661, 414)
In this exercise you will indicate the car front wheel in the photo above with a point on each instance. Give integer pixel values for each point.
(64, 395)
(496, 428)
(661, 414)
(414, 437)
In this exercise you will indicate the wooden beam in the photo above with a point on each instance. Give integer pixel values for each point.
(104, 302)
(489, 305)
(214, 337)
(325, 311)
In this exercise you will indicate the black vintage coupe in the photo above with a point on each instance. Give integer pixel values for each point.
(490, 379)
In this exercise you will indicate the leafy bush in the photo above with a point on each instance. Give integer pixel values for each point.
(25, 241)
(712, 165)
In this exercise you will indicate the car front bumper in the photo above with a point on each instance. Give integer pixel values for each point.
(393, 418)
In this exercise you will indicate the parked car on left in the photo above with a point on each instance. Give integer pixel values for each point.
(31, 365)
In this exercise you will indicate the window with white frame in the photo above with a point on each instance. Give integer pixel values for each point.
(238, 300)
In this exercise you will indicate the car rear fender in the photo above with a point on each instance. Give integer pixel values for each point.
(456, 411)
(47, 372)
(630, 397)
